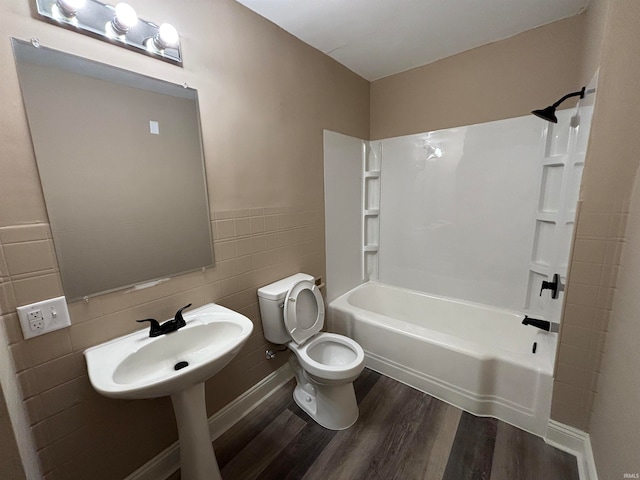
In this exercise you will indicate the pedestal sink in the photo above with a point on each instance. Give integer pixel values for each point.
(176, 365)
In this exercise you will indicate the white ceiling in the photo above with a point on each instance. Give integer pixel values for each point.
(377, 38)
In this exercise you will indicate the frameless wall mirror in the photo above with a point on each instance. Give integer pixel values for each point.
(122, 169)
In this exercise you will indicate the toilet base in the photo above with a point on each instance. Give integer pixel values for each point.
(332, 406)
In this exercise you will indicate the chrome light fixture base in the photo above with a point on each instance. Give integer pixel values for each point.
(99, 20)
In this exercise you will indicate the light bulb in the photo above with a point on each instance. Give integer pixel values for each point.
(69, 8)
(166, 37)
(124, 19)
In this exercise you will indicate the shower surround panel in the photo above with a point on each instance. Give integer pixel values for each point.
(471, 221)
(457, 214)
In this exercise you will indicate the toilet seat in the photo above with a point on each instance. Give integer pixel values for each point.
(330, 356)
(303, 311)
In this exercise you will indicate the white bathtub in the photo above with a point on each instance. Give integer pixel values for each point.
(475, 357)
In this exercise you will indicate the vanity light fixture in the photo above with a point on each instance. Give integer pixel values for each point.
(119, 25)
(167, 37)
(69, 8)
(124, 19)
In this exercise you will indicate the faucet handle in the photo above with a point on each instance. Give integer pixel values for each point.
(555, 286)
(178, 317)
(155, 329)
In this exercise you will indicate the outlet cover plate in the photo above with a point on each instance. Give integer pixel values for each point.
(55, 315)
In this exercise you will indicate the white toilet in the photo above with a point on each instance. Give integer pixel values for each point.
(325, 364)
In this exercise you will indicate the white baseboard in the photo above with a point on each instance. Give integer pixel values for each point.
(223, 420)
(575, 442)
(167, 462)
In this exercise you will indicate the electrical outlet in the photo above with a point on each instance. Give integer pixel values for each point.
(43, 317)
(36, 321)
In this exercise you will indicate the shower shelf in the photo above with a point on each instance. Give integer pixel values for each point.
(549, 217)
(557, 197)
(540, 268)
(557, 161)
(371, 179)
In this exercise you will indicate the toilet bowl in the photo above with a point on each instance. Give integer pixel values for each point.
(325, 364)
(330, 358)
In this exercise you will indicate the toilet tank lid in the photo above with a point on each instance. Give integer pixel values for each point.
(277, 290)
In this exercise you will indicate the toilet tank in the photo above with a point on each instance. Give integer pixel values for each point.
(271, 299)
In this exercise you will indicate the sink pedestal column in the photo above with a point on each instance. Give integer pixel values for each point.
(197, 459)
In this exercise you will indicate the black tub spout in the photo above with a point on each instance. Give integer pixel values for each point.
(541, 324)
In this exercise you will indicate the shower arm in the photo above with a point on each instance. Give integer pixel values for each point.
(569, 95)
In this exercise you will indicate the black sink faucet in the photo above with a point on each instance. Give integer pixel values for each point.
(167, 327)
(541, 324)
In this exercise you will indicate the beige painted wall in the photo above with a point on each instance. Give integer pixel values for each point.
(598, 242)
(615, 419)
(595, 22)
(265, 98)
(598, 354)
(508, 79)
(612, 164)
(10, 464)
(501, 80)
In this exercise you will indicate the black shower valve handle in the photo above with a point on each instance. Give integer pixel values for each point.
(554, 286)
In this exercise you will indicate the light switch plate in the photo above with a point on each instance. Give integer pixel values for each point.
(44, 317)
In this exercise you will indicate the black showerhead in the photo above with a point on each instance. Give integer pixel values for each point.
(549, 113)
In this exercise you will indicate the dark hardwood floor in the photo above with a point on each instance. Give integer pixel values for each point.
(401, 434)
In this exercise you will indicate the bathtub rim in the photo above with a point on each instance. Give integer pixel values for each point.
(544, 363)
(458, 301)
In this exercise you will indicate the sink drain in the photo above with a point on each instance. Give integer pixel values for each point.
(180, 365)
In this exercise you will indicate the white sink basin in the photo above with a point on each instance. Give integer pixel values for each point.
(136, 366)
(176, 364)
